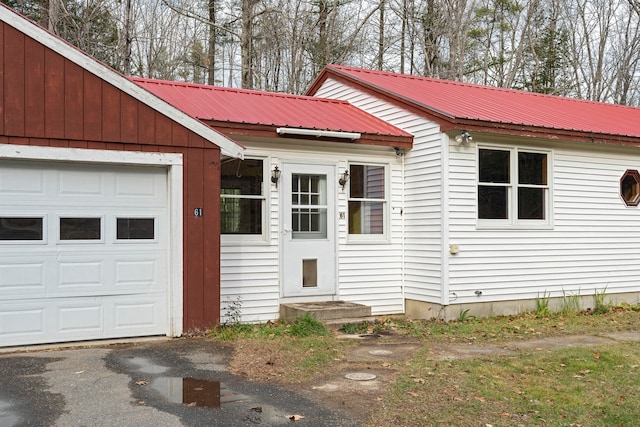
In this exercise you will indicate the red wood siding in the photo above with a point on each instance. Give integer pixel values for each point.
(46, 100)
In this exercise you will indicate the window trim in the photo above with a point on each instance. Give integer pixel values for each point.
(156, 229)
(267, 187)
(385, 237)
(75, 215)
(45, 228)
(512, 190)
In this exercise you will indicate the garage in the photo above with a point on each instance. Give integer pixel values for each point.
(83, 252)
(109, 200)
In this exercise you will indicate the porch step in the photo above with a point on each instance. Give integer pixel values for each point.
(324, 311)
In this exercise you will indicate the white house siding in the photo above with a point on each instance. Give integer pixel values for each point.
(424, 218)
(369, 273)
(592, 246)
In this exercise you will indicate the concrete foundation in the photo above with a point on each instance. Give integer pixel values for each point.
(426, 310)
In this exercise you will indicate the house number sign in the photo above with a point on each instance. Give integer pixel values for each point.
(197, 212)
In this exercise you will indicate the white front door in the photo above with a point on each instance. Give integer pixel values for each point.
(308, 230)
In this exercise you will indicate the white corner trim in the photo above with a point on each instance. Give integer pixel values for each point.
(227, 146)
(176, 254)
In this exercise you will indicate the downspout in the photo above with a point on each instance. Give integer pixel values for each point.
(444, 214)
(402, 235)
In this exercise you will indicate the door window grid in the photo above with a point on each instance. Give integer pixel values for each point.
(308, 212)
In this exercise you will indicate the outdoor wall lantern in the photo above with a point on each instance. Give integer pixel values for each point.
(464, 137)
(344, 178)
(275, 175)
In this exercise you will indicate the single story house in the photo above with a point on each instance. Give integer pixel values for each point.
(109, 200)
(314, 211)
(507, 196)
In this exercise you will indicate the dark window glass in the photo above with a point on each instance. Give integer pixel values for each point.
(244, 176)
(492, 202)
(241, 216)
(532, 168)
(80, 229)
(494, 166)
(13, 228)
(241, 202)
(531, 203)
(135, 228)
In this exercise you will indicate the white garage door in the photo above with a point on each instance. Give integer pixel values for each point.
(83, 252)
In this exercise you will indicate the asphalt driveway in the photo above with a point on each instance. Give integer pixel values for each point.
(178, 382)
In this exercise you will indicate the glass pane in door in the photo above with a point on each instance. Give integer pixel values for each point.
(309, 206)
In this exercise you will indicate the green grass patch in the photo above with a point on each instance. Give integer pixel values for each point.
(524, 326)
(572, 386)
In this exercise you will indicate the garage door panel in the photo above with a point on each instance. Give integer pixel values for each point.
(19, 278)
(22, 322)
(81, 319)
(20, 182)
(80, 183)
(53, 289)
(134, 313)
(80, 275)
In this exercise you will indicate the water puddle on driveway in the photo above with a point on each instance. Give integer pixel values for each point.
(195, 392)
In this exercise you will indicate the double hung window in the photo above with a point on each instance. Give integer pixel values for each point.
(513, 187)
(367, 200)
(242, 201)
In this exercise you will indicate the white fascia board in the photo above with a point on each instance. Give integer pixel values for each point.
(227, 146)
(318, 133)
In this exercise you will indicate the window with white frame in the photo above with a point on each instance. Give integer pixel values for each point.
(513, 186)
(367, 199)
(242, 199)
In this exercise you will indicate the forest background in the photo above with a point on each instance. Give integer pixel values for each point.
(587, 49)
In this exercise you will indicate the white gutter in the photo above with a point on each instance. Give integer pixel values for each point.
(319, 133)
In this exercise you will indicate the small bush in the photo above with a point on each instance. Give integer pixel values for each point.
(542, 305)
(307, 326)
(355, 328)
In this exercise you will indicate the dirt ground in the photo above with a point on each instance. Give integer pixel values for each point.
(383, 356)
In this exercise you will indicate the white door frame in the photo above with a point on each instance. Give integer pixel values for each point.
(174, 164)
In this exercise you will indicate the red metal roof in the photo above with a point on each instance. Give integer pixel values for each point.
(221, 104)
(455, 102)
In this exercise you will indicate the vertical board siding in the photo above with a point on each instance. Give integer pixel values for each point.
(592, 246)
(34, 88)
(14, 82)
(368, 273)
(422, 186)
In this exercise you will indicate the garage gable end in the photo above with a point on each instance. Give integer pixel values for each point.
(53, 90)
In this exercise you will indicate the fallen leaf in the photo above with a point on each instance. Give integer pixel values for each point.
(386, 364)
(412, 393)
(620, 400)
(295, 417)
(585, 371)
(141, 402)
(141, 383)
(192, 404)
(597, 356)
(418, 380)
(479, 398)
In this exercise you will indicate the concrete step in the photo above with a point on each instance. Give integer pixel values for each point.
(324, 311)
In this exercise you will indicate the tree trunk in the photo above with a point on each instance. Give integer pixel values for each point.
(211, 54)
